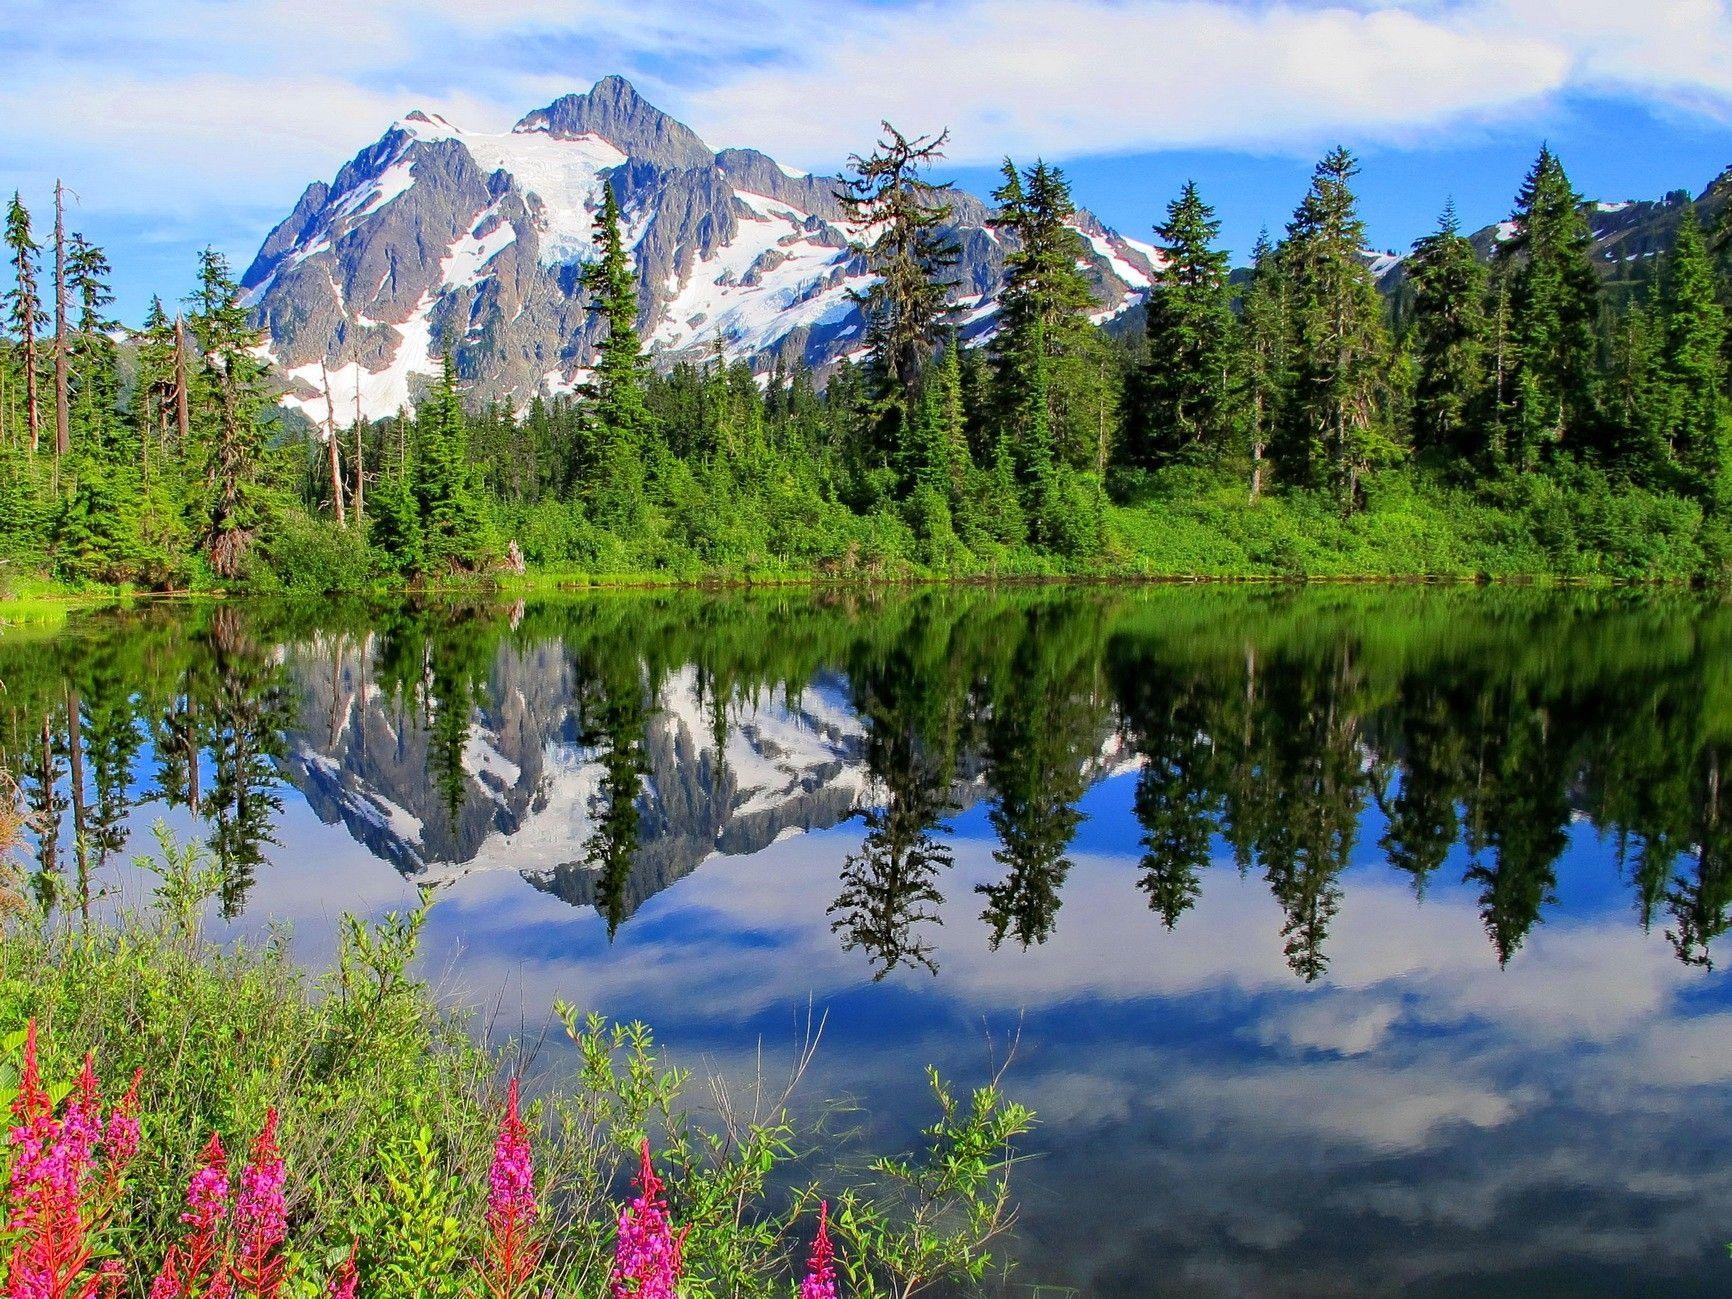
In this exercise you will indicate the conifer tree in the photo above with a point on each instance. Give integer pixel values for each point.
(1340, 344)
(1045, 288)
(907, 307)
(95, 368)
(1694, 328)
(1185, 381)
(620, 424)
(1264, 342)
(154, 390)
(451, 528)
(1554, 306)
(62, 334)
(1449, 340)
(234, 378)
(24, 310)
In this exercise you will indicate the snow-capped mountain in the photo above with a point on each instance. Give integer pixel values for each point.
(436, 238)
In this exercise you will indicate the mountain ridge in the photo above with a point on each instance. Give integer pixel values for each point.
(436, 238)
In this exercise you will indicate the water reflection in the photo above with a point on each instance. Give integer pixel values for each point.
(605, 749)
(1359, 942)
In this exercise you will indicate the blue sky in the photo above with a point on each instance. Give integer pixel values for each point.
(200, 121)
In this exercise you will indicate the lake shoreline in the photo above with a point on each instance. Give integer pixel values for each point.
(50, 602)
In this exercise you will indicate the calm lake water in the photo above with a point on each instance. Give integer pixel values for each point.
(1350, 942)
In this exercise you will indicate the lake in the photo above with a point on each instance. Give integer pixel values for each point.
(1347, 941)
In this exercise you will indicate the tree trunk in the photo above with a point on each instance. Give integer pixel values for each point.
(62, 409)
(182, 406)
(331, 446)
(360, 462)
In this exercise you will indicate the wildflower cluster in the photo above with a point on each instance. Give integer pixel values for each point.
(65, 1184)
(647, 1251)
(512, 1250)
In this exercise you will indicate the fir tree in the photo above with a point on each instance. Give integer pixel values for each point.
(1185, 381)
(451, 527)
(1340, 345)
(1046, 289)
(907, 307)
(620, 424)
(1264, 342)
(24, 310)
(95, 359)
(1554, 305)
(234, 379)
(1448, 336)
(1694, 328)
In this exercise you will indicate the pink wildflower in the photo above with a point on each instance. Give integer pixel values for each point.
(196, 1259)
(261, 1217)
(58, 1199)
(512, 1251)
(646, 1262)
(347, 1277)
(820, 1282)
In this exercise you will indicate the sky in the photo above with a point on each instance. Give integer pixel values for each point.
(177, 123)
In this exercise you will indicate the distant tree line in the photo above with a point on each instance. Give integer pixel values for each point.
(157, 456)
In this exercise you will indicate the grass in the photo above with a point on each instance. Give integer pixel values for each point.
(389, 1104)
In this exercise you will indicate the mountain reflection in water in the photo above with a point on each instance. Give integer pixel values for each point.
(1357, 941)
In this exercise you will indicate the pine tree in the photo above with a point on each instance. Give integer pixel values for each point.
(1340, 344)
(24, 310)
(1185, 381)
(1263, 346)
(1448, 337)
(95, 360)
(907, 307)
(234, 379)
(1694, 327)
(451, 527)
(1045, 288)
(1554, 306)
(620, 424)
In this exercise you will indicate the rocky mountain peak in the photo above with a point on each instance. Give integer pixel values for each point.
(613, 110)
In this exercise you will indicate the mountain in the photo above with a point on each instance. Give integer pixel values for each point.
(436, 237)
(1628, 236)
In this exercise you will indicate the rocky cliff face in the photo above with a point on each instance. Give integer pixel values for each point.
(437, 239)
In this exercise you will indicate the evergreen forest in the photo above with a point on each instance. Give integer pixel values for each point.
(1515, 415)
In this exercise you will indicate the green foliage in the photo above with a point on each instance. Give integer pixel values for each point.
(1448, 340)
(389, 1107)
(1185, 406)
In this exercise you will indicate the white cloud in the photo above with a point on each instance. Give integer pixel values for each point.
(236, 103)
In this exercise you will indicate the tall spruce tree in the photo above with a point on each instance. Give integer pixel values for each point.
(1265, 331)
(451, 526)
(1448, 337)
(1185, 384)
(95, 371)
(907, 307)
(1694, 328)
(234, 381)
(1046, 288)
(1340, 343)
(1548, 396)
(24, 310)
(620, 422)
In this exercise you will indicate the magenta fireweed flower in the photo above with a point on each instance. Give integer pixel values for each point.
(512, 1252)
(261, 1217)
(65, 1183)
(820, 1282)
(511, 1184)
(194, 1259)
(347, 1277)
(646, 1263)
